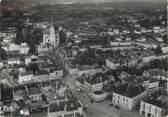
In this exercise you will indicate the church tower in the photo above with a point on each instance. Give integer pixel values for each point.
(52, 39)
(50, 36)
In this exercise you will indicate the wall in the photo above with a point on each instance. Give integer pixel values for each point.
(122, 101)
(146, 108)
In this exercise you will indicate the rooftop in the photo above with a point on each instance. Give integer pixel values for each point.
(26, 73)
(158, 100)
(130, 90)
(97, 78)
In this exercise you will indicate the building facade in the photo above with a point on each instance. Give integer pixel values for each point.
(150, 110)
(125, 102)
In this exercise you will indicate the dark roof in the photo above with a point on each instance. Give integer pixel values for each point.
(158, 99)
(130, 91)
(42, 72)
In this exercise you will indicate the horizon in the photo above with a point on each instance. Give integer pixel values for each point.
(80, 1)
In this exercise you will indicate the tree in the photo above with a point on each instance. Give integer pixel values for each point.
(62, 37)
(158, 50)
(165, 39)
(3, 54)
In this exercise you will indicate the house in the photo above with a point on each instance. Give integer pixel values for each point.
(34, 91)
(19, 92)
(91, 83)
(93, 87)
(63, 109)
(76, 71)
(73, 72)
(156, 74)
(121, 43)
(13, 61)
(150, 83)
(154, 106)
(42, 48)
(41, 75)
(25, 77)
(56, 74)
(165, 49)
(88, 70)
(11, 47)
(111, 64)
(79, 83)
(128, 96)
(24, 49)
(27, 60)
(156, 29)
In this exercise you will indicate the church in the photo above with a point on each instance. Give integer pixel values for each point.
(50, 38)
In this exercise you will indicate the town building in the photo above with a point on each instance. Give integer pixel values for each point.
(154, 106)
(128, 96)
(91, 84)
(25, 77)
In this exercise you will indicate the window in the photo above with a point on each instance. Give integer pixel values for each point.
(123, 99)
(155, 109)
(155, 112)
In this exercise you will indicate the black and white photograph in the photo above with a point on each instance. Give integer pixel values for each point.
(83, 58)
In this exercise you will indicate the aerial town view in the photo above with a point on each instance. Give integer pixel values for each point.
(83, 58)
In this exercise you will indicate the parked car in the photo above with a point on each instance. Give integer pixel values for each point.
(117, 107)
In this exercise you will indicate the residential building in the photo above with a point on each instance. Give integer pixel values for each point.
(24, 49)
(128, 96)
(25, 77)
(12, 61)
(154, 106)
(110, 64)
(57, 74)
(91, 83)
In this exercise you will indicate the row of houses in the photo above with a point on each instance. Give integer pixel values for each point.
(43, 75)
(87, 70)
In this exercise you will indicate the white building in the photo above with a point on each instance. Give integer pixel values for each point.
(12, 61)
(24, 49)
(25, 77)
(128, 98)
(87, 70)
(165, 49)
(154, 107)
(56, 74)
(10, 47)
(73, 72)
(111, 64)
(93, 87)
